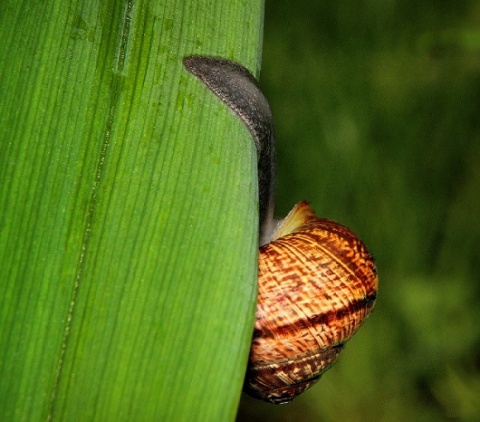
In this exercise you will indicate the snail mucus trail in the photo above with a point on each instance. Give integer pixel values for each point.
(317, 282)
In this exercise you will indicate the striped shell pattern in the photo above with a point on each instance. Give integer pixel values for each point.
(317, 284)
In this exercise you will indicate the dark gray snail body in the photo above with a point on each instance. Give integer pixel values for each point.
(238, 88)
(317, 281)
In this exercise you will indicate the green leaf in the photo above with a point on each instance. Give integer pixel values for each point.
(128, 212)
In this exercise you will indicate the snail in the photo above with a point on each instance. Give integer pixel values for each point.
(317, 282)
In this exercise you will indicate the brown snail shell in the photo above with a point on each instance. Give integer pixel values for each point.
(317, 284)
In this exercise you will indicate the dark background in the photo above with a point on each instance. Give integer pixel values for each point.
(377, 110)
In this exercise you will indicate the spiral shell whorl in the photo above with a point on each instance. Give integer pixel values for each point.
(317, 285)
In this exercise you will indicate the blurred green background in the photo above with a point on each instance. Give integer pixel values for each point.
(377, 109)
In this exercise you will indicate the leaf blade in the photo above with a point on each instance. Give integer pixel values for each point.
(112, 174)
